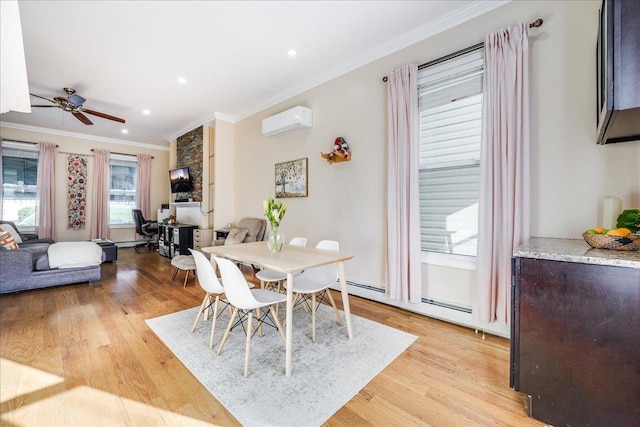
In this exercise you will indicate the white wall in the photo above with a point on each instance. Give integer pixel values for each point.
(570, 173)
(83, 145)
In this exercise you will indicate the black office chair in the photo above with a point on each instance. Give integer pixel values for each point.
(147, 229)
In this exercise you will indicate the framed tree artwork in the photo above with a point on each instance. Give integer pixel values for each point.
(291, 178)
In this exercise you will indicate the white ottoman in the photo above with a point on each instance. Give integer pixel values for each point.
(183, 262)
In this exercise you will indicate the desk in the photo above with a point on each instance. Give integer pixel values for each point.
(291, 260)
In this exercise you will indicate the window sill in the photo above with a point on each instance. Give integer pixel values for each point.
(463, 262)
(122, 226)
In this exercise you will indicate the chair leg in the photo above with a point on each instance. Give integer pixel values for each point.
(248, 344)
(226, 333)
(259, 313)
(186, 277)
(277, 322)
(335, 309)
(204, 302)
(174, 274)
(304, 305)
(213, 323)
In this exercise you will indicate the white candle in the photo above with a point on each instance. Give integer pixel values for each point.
(611, 209)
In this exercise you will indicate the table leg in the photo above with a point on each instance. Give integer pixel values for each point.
(345, 297)
(289, 325)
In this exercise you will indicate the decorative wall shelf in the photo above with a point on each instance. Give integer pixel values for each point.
(340, 151)
(336, 156)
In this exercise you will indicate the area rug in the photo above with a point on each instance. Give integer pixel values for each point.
(325, 374)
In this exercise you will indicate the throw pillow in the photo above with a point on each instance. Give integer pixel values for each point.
(13, 231)
(235, 236)
(7, 241)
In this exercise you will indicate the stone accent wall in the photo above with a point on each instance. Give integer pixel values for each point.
(189, 154)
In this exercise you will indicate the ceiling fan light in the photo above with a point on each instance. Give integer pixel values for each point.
(76, 100)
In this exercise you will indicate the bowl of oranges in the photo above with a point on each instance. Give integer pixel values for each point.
(621, 239)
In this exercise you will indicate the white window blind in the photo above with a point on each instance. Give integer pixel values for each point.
(450, 94)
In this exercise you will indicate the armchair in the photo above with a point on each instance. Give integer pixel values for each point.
(255, 227)
(145, 228)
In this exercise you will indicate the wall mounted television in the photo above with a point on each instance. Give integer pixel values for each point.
(180, 180)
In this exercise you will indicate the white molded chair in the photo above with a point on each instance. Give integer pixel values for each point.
(316, 282)
(244, 302)
(210, 283)
(270, 278)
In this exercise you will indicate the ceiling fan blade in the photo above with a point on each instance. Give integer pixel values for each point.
(84, 119)
(103, 115)
(42, 97)
(52, 106)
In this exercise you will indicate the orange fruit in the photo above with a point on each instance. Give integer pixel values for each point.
(600, 230)
(626, 231)
(620, 232)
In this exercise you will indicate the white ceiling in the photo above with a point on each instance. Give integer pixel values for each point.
(126, 56)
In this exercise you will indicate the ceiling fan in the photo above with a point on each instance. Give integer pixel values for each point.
(73, 104)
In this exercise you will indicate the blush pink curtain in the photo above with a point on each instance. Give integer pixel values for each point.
(100, 203)
(143, 184)
(503, 218)
(404, 281)
(45, 215)
(1, 176)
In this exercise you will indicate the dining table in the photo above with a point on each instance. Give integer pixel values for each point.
(290, 260)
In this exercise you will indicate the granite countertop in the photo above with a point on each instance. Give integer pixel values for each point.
(576, 250)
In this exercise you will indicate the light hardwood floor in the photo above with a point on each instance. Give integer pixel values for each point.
(82, 355)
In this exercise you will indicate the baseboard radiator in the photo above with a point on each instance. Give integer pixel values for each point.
(424, 300)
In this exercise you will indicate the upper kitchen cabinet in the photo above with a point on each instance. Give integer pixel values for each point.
(618, 72)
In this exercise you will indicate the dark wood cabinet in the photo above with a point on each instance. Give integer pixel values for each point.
(575, 343)
(175, 239)
(618, 76)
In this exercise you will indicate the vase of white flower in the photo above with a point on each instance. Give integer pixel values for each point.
(274, 211)
(275, 240)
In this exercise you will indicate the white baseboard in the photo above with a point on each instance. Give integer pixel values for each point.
(451, 315)
(130, 243)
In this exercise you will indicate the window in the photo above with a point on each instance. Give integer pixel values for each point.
(19, 183)
(122, 188)
(450, 93)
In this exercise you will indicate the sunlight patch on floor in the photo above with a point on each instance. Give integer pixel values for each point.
(33, 397)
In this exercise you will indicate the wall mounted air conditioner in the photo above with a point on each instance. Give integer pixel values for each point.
(288, 121)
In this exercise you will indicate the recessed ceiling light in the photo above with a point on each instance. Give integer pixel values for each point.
(125, 131)
(146, 112)
(182, 80)
(292, 52)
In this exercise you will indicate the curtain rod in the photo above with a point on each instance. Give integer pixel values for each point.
(122, 154)
(535, 24)
(75, 154)
(24, 142)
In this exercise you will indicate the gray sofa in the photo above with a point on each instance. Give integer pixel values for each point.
(28, 268)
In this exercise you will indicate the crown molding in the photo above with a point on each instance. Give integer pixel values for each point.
(82, 136)
(419, 34)
(201, 122)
